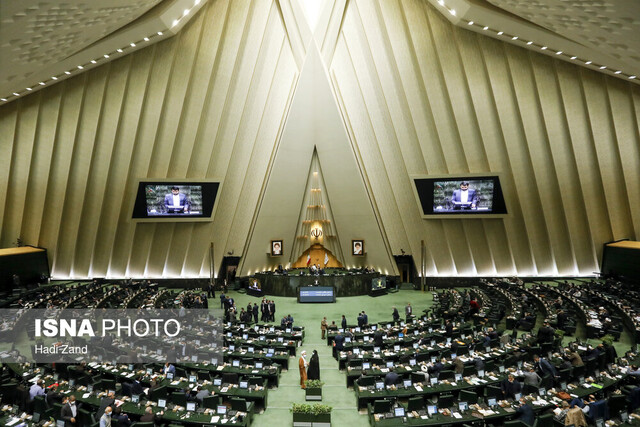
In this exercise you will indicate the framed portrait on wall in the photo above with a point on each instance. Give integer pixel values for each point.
(276, 248)
(357, 247)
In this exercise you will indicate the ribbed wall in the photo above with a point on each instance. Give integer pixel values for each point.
(207, 103)
(421, 96)
(418, 96)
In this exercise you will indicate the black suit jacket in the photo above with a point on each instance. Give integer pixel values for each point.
(66, 415)
(344, 323)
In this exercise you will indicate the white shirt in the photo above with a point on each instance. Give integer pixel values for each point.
(176, 200)
(74, 410)
(464, 196)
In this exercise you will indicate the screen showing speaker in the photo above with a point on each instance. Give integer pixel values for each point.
(460, 196)
(175, 200)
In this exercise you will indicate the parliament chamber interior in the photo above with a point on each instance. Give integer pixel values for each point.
(319, 213)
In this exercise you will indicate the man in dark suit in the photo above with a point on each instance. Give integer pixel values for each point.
(150, 417)
(338, 344)
(53, 396)
(546, 333)
(272, 310)
(365, 319)
(264, 310)
(408, 311)
(377, 338)
(510, 387)
(122, 419)
(344, 322)
(176, 202)
(255, 312)
(391, 378)
(525, 413)
(360, 320)
(396, 315)
(465, 197)
(544, 366)
(69, 412)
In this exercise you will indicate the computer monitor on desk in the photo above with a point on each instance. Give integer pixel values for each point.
(379, 385)
(399, 412)
(191, 406)
(432, 409)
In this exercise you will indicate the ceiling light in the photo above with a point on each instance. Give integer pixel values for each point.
(185, 12)
(41, 83)
(146, 39)
(54, 78)
(485, 28)
(119, 50)
(159, 33)
(28, 88)
(588, 62)
(80, 67)
(500, 33)
(559, 52)
(573, 57)
(470, 23)
(196, 2)
(67, 72)
(3, 99)
(543, 48)
(441, 2)
(453, 12)
(603, 67)
(514, 38)
(132, 44)
(106, 56)
(16, 94)
(529, 43)
(632, 77)
(93, 61)
(175, 22)
(618, 72)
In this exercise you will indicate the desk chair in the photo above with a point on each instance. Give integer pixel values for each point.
(238, 404)
(545, 420)
(211, 402)
(382, 406)
(179, 398)
(415, 404)
(468, 396)
(445, 401)
(229, 378)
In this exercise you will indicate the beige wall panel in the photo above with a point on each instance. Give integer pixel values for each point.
(40, 166)
(547, 200)
(16, 195)
(609, 163)
(118, 195)
(97, 194)
(8, 123)
(570, 209)
(63, 145)
(80, 167)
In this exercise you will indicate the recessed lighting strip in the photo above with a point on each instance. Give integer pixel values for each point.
(107, 55)
(532, 44)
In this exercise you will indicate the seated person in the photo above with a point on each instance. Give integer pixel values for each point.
(510, 387)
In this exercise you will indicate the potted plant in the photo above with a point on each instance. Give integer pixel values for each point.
(313, 389)
(306, 415)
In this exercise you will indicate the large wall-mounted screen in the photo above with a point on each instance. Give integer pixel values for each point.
(460, 196)
(175, 201)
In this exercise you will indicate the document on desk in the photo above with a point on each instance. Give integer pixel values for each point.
(417, 387)
(84, 396)
(456, 415)
(215, 419)
(13, 421)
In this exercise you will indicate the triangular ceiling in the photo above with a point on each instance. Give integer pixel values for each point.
(315, 122)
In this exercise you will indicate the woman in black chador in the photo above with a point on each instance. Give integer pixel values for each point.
(313, 371)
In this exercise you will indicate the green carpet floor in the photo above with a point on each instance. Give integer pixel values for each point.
(335, 392)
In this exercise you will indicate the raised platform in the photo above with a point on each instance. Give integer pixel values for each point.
(287, 286)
